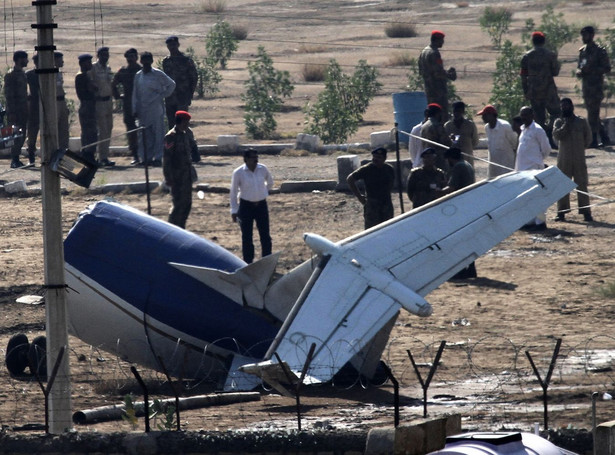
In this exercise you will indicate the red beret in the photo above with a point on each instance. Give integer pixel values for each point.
(430, 105)
(542, 35)
(183, 114)
(488, 109)
(437, 34)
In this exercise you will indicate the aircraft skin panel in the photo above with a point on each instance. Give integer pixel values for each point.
(137, 270)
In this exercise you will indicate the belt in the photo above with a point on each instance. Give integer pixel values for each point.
(103, 98)
(59, 98)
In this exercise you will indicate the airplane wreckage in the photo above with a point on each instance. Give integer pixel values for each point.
(159, 296)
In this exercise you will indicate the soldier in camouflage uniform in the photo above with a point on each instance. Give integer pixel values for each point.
(433, 130)
(435, 77)
(33, 109)
(61, 105)
(179, 144)
(86, 92)
(182, 70)
(593, 64)
(16, 96)
(124, 79)
(538, 68)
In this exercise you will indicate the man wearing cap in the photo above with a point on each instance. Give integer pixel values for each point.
(501, 142)
(61, 105)
(102, 77)
(16, 96)
(182, 70)
(433, 131)
(150, 87)
(378, 177)
(539, 66)
(122, 86)
(177, 167)
(573, 134)
(533, 148)
(250, 186)
(86, 92)
(592, 65)
(425, 181)
(33, 110)
(435, 77)
(463, 131)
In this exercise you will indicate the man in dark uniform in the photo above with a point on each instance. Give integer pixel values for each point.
(86, 92)
(182, 70)
(435, 77)
(33, 109)
(539, 66)
(433, 130)
(124, 79)
(425, 181)
(593, 64)
(61, 105)
(177, 167)
(378, 177)
(16, 96)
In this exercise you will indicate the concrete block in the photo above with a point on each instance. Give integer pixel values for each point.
(380, 441)
(346, 164)
(74, 144)
(381, 139)
(308, 186)
(410, 440)
(435, 434)
(309, 142)
(605, 438)
(228, 143)
(17, 186)
(453, 424)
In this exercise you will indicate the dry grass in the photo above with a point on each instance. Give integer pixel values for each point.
(212, 6)
(314, 72)
(462, 4)
(240, 32)
(401, 59)
(312, 49)
(400, 30)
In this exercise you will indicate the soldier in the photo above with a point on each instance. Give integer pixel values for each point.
(16, 95)
(573, 134)
(462, 131)
(177, 167)
(61, 106)
(538, 68)
(33, 109)
(124, 78)
(86, 92)
(102, 77)
(434, 75)
(593, 64)
(433, 130)
(182, 70)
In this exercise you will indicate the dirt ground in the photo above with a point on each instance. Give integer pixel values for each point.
(532, 288)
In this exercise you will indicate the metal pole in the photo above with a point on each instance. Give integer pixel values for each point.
(53, 248)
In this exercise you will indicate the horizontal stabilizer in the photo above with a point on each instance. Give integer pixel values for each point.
(249, 283)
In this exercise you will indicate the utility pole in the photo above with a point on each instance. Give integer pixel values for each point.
(55, 296)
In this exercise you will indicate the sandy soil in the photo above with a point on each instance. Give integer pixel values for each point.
(532, 289)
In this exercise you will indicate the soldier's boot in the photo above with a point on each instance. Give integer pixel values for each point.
(31, 156)
(604, 136)
(594, 143)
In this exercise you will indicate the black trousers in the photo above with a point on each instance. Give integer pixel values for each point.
(249, 212)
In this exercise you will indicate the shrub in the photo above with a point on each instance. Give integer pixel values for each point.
(495, 21)
(341, 105)
(240, 32)
(507, 93)
(220, 44)
(314, 72)
(401, 59)
(213, 6)
(208, 77)
(265, 89)
(555, 28)
(400, 30)
(311, 49)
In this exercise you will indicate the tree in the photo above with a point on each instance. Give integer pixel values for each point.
(265, 88)
(507, 93)
(220, 43)
(209, 78)
(495, 22)
(557, 31)
(341, 105)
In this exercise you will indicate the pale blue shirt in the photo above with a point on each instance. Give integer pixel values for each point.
(250, 186)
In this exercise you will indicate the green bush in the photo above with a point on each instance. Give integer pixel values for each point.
(507, 93)
(495, 22)
(341, 105)
(209, 78)
(265, 89)
(220, 43)
(555, 28)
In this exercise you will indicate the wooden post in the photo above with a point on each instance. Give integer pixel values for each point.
(53, 248)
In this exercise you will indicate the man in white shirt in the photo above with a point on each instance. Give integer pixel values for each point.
(250, 185)
(415, 144)
(533, 148)
(501, 142)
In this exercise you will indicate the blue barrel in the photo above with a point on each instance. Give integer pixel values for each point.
(409, 109)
